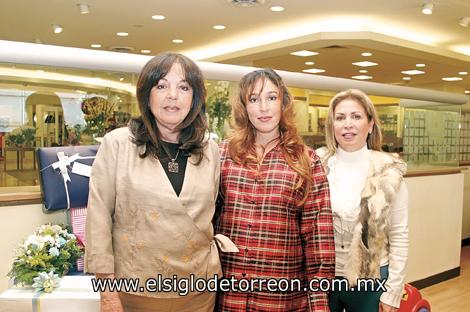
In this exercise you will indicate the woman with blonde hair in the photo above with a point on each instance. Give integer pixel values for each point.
(274, 203)
(370, 205)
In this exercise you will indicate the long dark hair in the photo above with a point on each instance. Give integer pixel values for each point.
(192, 129)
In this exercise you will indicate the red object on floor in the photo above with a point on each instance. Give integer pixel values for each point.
(412, 301)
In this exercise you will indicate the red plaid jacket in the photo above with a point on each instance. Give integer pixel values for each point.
(276, 238)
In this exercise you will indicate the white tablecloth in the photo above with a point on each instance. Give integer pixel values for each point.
(75, 294)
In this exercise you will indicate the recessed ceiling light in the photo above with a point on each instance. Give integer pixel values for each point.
(406, 78)
(464, 21)
(313, 70)
(363, 71)
(303, 53)
(365, 64)
(366, 54)
(467, 91)
(122, 34)
(145, 51)
(158, 17)
(121, 79)
(57, 29)
(96, 45)
(451, 78)
(427, 8)
(83, 8)
(177, 41)
(218, 27)
(362, 77)
(463, 73)
(421, 65)
(413, 72)
(277, 8)
(309, 63)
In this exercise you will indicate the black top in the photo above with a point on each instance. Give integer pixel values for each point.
(176, 179)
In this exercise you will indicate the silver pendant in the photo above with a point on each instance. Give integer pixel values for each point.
(173, 167)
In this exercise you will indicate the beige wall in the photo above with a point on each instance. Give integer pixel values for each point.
(466, 206)
(16, 223)
(435, 223)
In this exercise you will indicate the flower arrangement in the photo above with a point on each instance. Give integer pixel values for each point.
(98, 112)
(22, 136)
(51, 249)
(218, 108)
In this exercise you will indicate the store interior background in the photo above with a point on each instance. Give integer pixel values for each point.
(397, 35)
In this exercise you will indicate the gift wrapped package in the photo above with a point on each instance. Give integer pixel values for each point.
(65, 174)
(75, 294)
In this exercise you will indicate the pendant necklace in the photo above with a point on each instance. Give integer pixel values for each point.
(173, 166)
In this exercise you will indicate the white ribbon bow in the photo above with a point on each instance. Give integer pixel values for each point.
(62, 164)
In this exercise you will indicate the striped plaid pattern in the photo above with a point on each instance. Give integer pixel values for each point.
(78, 221)
(276, 238)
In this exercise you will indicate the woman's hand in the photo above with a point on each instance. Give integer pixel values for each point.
(386, 308)
(110, 301)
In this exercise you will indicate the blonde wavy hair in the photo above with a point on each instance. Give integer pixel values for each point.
(242, 144)
(374, 139)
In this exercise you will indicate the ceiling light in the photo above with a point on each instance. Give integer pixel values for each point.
(464, 21)
(362, 77)
(427, 8)
(420, 65)
(277, 8)
(96, 45)
(413, 72)
(365, 64)
(145, 51)
(122, 34)
(451, 78)
(57, 29)
(406, 78)
(363, 71)
(218, 27)
(463, 73)
(177, 41)
(121, 79)
(83, 8)
(313, 70)
(158, 17)
(309, 63)
(303, 53)
(366, 54)
(467, 91)
(246, 3)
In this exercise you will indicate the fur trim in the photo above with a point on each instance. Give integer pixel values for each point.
(370, 235)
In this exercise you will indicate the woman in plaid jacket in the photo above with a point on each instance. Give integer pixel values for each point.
(274, 205)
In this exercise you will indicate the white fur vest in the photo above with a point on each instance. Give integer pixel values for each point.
(370, 235)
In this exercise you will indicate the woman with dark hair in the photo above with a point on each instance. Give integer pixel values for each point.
(370, 205)
(152, 194)
(274, 203)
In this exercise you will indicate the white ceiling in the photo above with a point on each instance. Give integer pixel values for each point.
(396, 32)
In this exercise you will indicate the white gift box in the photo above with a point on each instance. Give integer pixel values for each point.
(75, 294)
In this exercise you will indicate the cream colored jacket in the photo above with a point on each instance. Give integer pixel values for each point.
(137, 227)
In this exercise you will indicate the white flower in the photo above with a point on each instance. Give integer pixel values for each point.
(53, 251)
(46, 281)
(34, 242)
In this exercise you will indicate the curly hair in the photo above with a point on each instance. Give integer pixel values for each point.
(242, 145)
(192, 129)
